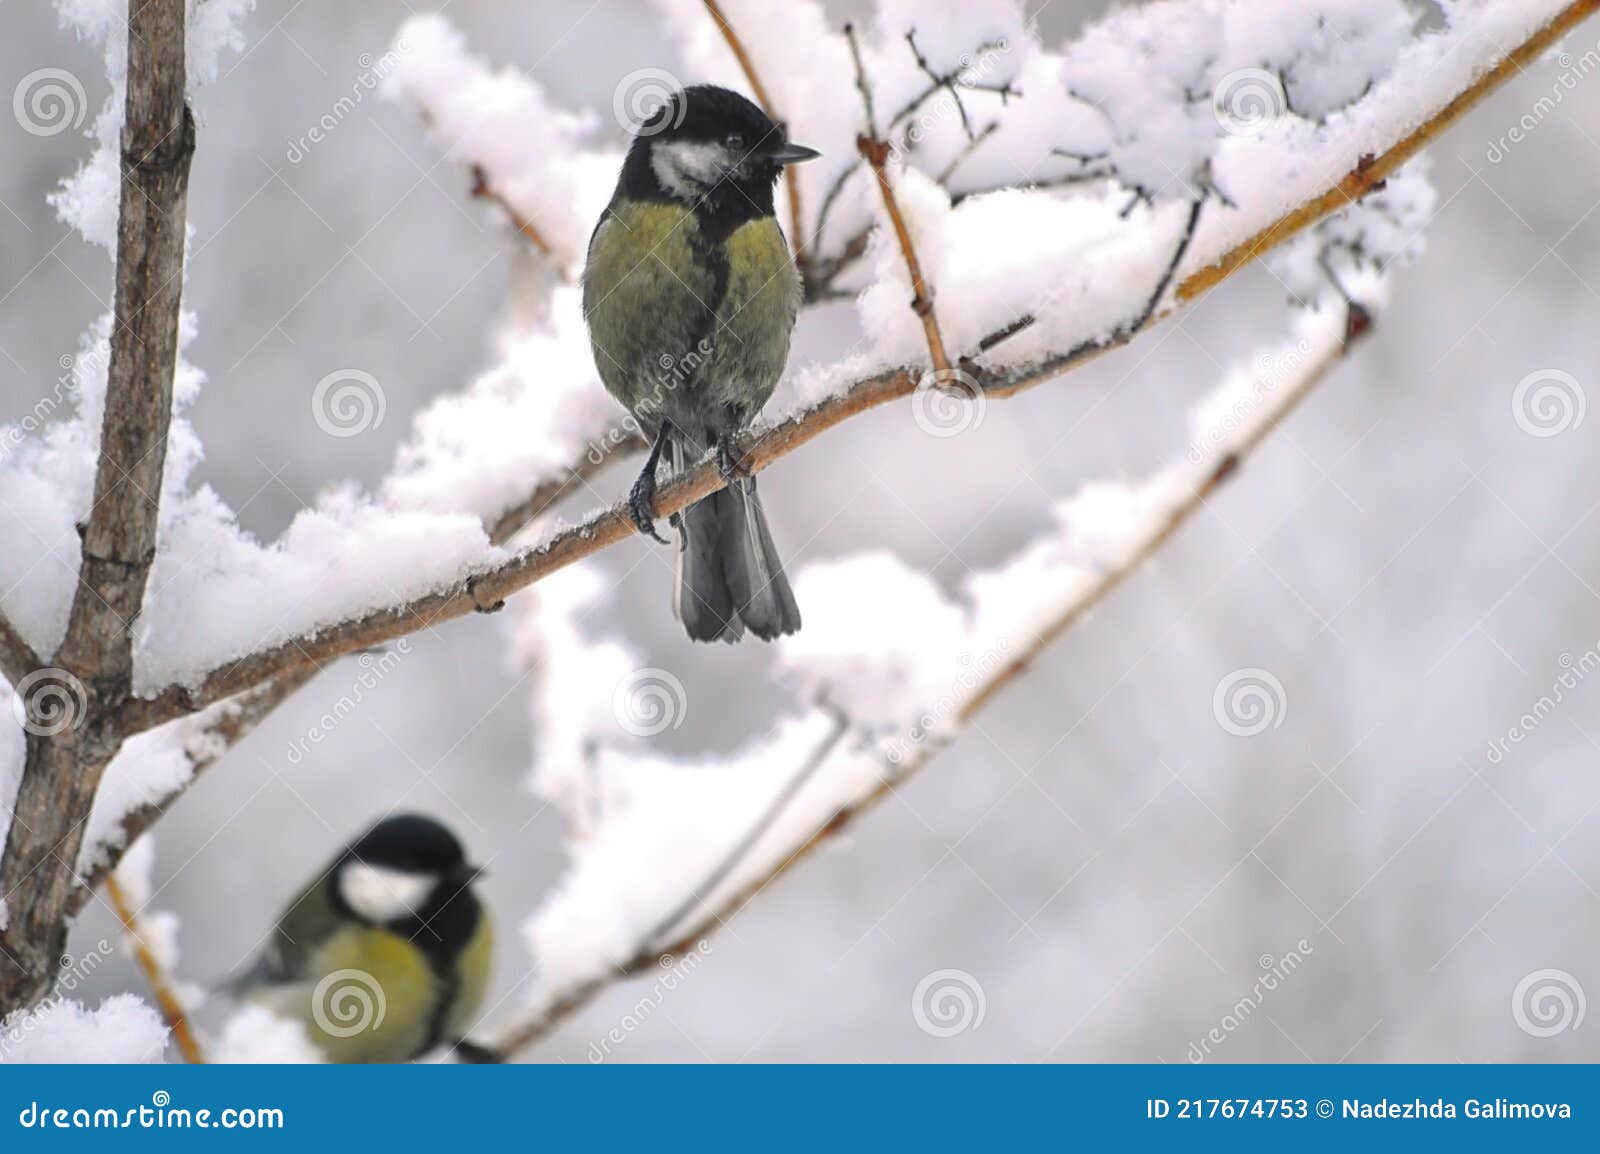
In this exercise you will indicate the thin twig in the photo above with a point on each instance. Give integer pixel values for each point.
(1376, 169)
(791, 176)
(487, 588)
(876, 153)
(534, 1025)
(483, 190)
(741, 850)
(155, 974)
(538, 1022)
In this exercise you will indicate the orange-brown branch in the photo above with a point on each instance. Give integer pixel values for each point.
(875, 151)
(791, 178)
(154, 974)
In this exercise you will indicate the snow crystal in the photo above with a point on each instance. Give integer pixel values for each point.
(122, 1029)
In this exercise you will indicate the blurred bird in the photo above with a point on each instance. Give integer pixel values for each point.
(386, 954)
(691, 295)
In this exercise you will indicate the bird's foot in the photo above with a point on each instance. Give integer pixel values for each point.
(641, 505)
(729, 463)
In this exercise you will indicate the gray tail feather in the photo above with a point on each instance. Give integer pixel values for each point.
(730, 577)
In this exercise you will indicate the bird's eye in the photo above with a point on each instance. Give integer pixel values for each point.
(735, 140)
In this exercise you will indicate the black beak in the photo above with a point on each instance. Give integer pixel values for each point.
(787, 153)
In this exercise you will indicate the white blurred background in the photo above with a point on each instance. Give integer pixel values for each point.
(1107, 862)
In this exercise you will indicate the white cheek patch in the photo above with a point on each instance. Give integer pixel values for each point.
(688, 168)
(384, 895)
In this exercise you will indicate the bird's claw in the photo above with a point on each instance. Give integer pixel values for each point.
(729, 463)
(641, 502)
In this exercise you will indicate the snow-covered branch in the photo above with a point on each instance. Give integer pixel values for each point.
(637, 896)
(125, 900)
(1028, 311)
(64, 763)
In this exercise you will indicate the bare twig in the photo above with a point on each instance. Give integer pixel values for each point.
(545, 1016)
(791, 177)
(155, 975)
(534, 1025)
(741, 850)
(482, 189)
(64, 765)
(876, 153)
(487, 589)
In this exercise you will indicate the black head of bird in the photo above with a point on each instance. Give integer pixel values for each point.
(706, 141)
(407, 869)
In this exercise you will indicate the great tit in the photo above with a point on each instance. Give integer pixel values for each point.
(386, 954)
(690, 296)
